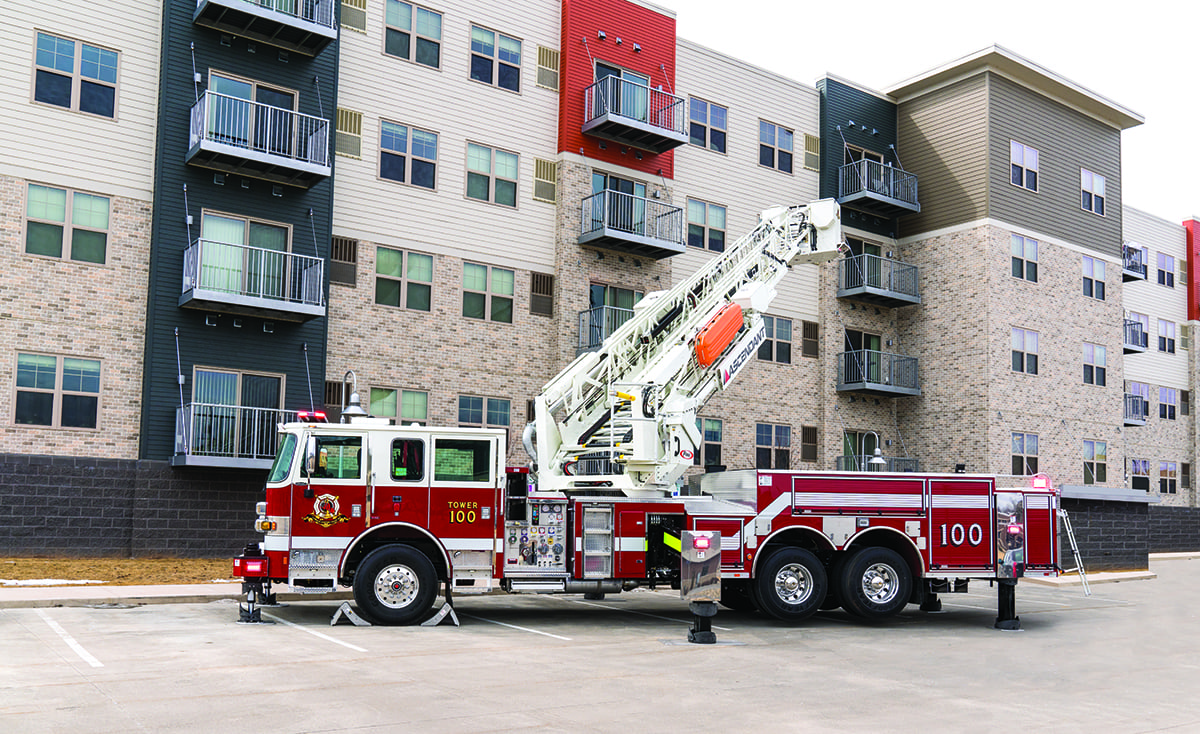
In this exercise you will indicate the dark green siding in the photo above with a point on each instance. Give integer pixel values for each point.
(247, 347)
(840, 104)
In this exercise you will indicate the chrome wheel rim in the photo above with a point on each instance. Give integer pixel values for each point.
(880, 583)
(793, 584)
(396, 586)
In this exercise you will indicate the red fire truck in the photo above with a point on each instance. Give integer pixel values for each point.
(399, 513)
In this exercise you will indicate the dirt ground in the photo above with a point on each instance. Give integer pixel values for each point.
(118, 571)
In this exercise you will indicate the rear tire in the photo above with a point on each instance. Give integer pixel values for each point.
(791, 584)
(735, 595)
(833, 594)
(395, 585)
(875, 583)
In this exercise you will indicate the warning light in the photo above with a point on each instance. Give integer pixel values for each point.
(311, 416)
(1014, 529)
(700, 542)
(1041, 481)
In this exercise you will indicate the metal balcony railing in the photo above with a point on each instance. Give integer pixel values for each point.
(254, 272)
(228, 432)
(259, 130)
(885, 181)
(1135, 336)
(613, 215)
(303, 26)
(862, 463)
(1137, 409)
(862, 273)
(634, 113)
(320, 12)
(1133, 266)
(595, 325)
(875, 371)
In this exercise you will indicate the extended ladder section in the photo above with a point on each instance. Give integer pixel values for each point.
(623, 419)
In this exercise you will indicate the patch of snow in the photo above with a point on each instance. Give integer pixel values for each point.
(45, 582)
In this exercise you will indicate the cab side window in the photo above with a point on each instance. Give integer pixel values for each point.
(338, 457)
(408, 460)
(462, 460)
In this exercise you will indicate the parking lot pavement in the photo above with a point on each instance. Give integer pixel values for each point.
(1120, 660)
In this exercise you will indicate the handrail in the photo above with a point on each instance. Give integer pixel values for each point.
(244, 270)
(261, 128)
(635, 215)
(635, 101)
(880, 368)
(595, 324)
(231, 431)
(873, 271)
(320, 12)
(878, 178)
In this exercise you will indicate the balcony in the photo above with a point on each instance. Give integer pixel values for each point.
(1135, 337)
(877, 188)
(632, 224)
(227, 435)
(634, 114)
(303, 26)
(877, 373)
(1133, 266)
(597, 324)
(1137, 410)
(878, 280)
(252, 281)
(862, 463)
(257, 140)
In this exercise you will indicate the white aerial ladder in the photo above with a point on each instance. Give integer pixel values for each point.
(623, 419)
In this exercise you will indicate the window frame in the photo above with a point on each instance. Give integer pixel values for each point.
(77, 78)
(1088, 194)
(1168, 477)
(1023, 352)
(57, 393)
(1094, 285)
(399, 405)
(708, 126)
(486, 414)
(1166, 269)
(67, 240)
(1028, 460)
(772, 343)
(1166, 336)
(1168, 403)
(706, 229)
(496, 63)
(408, 155)
(1098, 469)
(1023, 166)
(702, 451)
(1095, 364)
(493, 178)
(404, 279)
(1026, 264)
(775, 147)
(779, 450)
(1139, 473)
(489, 295)
(413, 35)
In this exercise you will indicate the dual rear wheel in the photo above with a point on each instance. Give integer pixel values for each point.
(792, 584)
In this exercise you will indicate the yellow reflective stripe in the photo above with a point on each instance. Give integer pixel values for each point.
(672, 542)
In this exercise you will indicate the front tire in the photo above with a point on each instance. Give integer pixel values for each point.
(791, 584)
(395, 585)
(875, 583)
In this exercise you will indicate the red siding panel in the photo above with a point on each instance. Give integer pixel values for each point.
(1193, 263)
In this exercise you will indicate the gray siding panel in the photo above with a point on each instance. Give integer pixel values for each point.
(943, 136)
(1066, 141)
(841, 104)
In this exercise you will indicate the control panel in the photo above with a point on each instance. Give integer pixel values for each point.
(538, 543)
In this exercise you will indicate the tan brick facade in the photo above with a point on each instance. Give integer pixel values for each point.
(59, 307)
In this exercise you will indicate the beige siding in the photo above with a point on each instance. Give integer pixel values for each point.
(1157, 301)
(735, 179)
(448, 102)
(54, 145)
(944, 138)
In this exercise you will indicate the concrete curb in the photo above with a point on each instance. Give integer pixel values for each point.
(94, 596)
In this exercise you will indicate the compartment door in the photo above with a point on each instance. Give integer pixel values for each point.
(961, 528)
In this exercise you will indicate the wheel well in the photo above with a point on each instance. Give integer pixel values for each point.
(796, 537)
(893, 540)
(389, 535)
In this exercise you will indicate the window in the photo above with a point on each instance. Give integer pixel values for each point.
(773, 446)
(343, 261)
(1185, 336)
(1024, 351)
(810, 339)
(409, 406)
(495, 59)
(75, 75)
(547, 73)
(708, 125)
(1095, 456)
(1024, 258)
(491, 175)
(1139, 473)
(1141, 390)
(462, 460)
(403, 279)
(47, 226)
(1185, 476)
(59, 392)
(395, 163)
(1093, 191)
(408, 459)
(710, 449)
(808, 443)
(235, 413)
(1094, 365)
(1024, 162)
(706, 225)
(338, 457)
(1167, 479)
(400, 29)
(777, 344)
(1168, 398)
(487, 293)
(244, 256)
(1144, 320)
(1166, 336)
(1093, 278)
(812, 152)
(541, 294)
(1166, 270)
(348, 141)
(545, 180)
(774, 146)
(1024, 454)
(1185, 402)
(480, 412)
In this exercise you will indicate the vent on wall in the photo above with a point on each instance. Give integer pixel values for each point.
(354, 15)
(343, 262)
(545, 177)
(349, 134)
(547, 73)
(541, 294)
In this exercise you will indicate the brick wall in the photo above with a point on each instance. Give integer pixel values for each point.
(124, 508)
(1174, 529)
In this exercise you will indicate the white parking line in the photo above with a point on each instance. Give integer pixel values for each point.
(644, 614)
(515, 627)
(71, 643)
(315, 633)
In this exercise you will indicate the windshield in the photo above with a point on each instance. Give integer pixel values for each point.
(283, 460)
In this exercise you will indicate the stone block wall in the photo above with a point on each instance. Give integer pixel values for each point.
(1174, 529)
(1112, 536)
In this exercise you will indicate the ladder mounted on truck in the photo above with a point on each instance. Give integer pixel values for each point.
(622, 420)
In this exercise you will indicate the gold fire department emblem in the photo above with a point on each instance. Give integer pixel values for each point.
(326, 512)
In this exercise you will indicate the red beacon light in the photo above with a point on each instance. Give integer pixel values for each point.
(700, 542)
(311, 416)
(1040, 481)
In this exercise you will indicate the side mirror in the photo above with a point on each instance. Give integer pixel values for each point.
(310, 457)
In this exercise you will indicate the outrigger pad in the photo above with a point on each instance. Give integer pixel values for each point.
(345, 611)
(445, 611)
